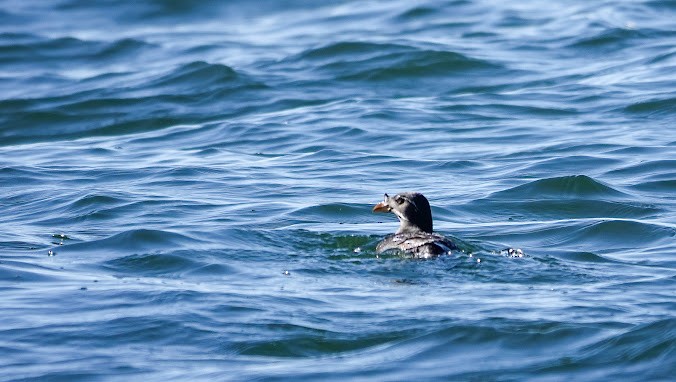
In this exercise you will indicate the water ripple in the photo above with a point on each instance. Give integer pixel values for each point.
(187, 190)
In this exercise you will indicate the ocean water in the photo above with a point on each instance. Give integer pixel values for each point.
(186, 190)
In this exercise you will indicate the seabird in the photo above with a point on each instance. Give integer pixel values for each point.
(415, 235)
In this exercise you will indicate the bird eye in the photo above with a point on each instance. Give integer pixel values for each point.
(399, 200)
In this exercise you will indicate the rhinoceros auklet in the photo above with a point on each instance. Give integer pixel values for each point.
(415, 235)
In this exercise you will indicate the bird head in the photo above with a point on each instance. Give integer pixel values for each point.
(412, 209)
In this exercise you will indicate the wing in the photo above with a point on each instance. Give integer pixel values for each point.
(420, 245)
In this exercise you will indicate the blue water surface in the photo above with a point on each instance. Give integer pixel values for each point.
(186, 190)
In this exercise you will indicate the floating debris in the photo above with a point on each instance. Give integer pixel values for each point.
(357, 250)
(513, 252)
(61, 237)
(287, 273)
(51, 253)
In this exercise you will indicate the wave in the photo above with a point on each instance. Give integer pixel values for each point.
(661, 5)
(154, 264)
(652, 168)
(343, 211)
(368, 61)
(625, 234)
(121, 49)
(415, 64)
(565, 187)
(661, 186)
(416, 13)
(564, 163)
(587, 257)
(304, 341)
(163, 101)
(192, 83)
(491, 110)
(21, 174)
(648, 343)
(196, 75)
(25, 270)
(12, 38)
(135, 240)
(653, 107)
(565, 208)
(349, 50)
(610, 38)
(35, 50)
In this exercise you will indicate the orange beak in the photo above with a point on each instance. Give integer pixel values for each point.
(381, 207)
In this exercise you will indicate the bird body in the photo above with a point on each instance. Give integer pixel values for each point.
(415, 235)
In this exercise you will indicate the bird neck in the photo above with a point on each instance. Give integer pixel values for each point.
(406, 227)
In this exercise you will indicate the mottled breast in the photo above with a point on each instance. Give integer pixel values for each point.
(422, 245)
